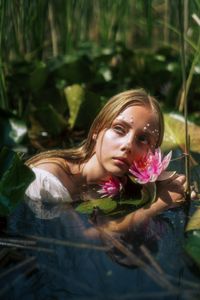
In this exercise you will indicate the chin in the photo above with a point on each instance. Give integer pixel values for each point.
(117, 173)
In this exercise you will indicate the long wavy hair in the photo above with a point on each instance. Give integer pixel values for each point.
(117, 104)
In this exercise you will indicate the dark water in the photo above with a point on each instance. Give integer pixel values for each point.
(50, 270)
(69, 272)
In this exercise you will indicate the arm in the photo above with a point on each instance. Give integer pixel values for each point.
(170, 194)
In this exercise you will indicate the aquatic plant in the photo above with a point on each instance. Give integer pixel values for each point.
(150, 167)
(110, 188)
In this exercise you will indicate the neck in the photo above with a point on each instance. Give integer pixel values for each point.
(85, 178)
(89, 173)
(93, 172)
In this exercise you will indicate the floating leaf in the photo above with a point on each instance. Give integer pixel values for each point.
(14, 179)
(52, 121)
(12, 131)
(73, 68)
(192, 245)
(38, 77)
(194, 222)
(174, 133)
(75, 96)
(134, 202)
(83, 106)
(105, 204)
(114, 207)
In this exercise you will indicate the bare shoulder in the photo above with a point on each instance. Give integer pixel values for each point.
(56, 166)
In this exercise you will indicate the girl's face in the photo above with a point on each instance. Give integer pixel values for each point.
(132, 134)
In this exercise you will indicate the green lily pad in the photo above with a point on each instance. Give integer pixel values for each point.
(14, 179)
(105, 204)
(192, 240)
(174, 133)
(122, 206)
(194, 222)
(75, 96)
(52, 121)
(192, 245)
(83, 106)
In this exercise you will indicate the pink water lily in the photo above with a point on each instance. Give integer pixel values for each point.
(150, 167)
(111, 187)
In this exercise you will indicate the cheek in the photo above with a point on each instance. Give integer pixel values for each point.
(105, 143)
(109, 140)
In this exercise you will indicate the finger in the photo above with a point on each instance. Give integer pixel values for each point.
(180, 201)
(181, 179)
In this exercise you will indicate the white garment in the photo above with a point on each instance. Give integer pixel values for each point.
(46, 194)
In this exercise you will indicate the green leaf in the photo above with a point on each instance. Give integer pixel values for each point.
(52, 121)
(72, 68)
(12, 131)
(194, 222)
(14, 179)
(105, 204)
(38, 77)
(75, 96)
(174, 133)
(83, 106)
(50, 95)
(192, 245)
(122, 206)
(134, 202)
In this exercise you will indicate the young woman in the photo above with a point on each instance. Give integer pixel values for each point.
(126, 129)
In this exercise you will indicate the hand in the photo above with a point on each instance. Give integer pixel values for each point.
(171, 192)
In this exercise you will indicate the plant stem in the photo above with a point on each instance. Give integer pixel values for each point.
(183, 67)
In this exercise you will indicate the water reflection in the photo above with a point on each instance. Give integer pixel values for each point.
(71, 265)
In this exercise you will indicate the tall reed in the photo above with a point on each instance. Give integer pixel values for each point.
(41, 29)
(45, 28)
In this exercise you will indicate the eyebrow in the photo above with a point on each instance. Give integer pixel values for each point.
(123, 121)
(128, 124)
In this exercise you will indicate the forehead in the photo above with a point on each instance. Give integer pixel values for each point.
(139, 116)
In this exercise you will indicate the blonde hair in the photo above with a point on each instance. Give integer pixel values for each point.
(104, 119)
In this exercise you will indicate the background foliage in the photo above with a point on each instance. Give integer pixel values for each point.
(57, 58)
(59, 55)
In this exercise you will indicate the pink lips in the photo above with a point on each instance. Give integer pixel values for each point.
(121, 161)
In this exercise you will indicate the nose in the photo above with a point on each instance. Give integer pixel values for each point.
(130, 148)
(128, 144)
(126, 147)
